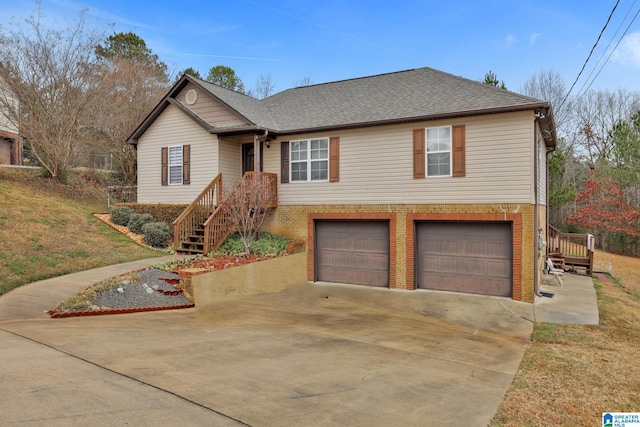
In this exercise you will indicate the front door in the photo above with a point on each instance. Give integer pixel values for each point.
(249, 158)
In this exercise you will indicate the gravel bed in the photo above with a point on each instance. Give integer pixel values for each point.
(136, 294)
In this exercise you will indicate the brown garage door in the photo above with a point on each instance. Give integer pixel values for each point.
(355, 252)
(465, 257)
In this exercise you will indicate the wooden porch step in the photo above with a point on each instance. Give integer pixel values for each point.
(190, 251)
(578, 262)
(557, 259)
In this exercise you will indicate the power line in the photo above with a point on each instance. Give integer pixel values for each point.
(605, 51)
(613, 50)
(590, 53)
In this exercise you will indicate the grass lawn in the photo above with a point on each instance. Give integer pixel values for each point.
(570, 374)
(47, 230)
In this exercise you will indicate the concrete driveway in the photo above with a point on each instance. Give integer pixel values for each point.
(313, 355)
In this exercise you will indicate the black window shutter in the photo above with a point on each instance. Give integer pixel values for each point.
(284, 162)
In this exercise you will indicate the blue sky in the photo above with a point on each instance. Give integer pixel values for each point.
(328, 40)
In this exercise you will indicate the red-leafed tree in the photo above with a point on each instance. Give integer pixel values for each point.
(603, 208)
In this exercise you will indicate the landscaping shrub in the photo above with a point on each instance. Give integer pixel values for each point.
(232, 245)
(137, 221)
(156, 234)
(161, 212)
(269, 244)
(121, 215)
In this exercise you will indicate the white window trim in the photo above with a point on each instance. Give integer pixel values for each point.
(169, 165)
(427, 152)
(309, 160)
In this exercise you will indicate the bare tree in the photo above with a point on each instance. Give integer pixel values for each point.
(46, 71)
(248, 205)
(264, 86)
(305, 81)
(550, 86)
(596, 114)
(129, 92)
(133, 81)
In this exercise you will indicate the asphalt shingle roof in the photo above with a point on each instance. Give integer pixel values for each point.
(403, 95)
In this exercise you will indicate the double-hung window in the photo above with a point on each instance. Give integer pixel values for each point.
(175, 165)
(438, 141)
(310, 160)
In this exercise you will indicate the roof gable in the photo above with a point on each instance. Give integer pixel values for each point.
(208, 107)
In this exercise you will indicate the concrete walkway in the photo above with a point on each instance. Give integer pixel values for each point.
(32, 301)
(575, 302)
(312, 355)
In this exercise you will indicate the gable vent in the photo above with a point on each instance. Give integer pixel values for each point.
(192, 97)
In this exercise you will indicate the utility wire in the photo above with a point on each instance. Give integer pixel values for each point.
(611, 53)
(590, 53)
(605, 51)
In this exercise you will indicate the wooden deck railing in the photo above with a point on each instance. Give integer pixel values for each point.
(197, 212)
(209, 213)
(270, 181)
(575, 250)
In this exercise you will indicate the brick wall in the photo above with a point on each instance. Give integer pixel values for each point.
(297, 221)
(12, 139)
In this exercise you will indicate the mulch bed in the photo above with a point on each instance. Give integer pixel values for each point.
(137, 238)
(222, 262)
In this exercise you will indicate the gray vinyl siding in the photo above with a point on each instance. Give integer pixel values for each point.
(6, 124)
(209, 108)
(172, 128)
(376, 166)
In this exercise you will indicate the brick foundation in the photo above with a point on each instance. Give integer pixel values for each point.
(13, 140)
(297, 222)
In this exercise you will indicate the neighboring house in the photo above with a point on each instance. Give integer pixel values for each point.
(414, 180)
(10, 142)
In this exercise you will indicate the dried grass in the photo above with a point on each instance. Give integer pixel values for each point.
(46, 230)
(570, 374)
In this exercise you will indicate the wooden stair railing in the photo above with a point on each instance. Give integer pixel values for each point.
(188, 228)
(571, 249)
(207, 233)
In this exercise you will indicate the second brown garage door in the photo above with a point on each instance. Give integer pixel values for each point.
(472, 257)
(355, 252)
